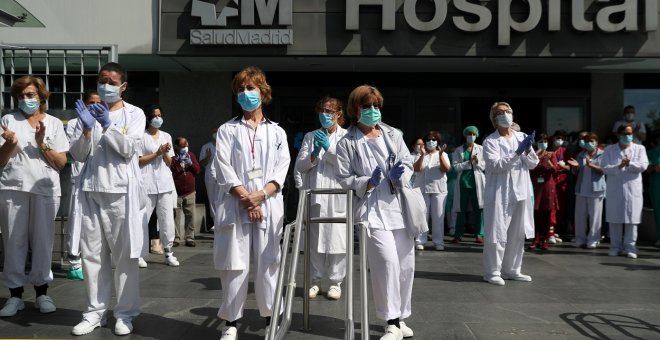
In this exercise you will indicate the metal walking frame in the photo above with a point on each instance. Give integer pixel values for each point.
(304, 220)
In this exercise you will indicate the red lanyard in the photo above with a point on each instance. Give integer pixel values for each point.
(252, 139)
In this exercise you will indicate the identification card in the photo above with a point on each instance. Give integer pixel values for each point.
(255, 173)
(540, 180)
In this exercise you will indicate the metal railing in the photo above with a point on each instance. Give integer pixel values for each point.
(303, 222)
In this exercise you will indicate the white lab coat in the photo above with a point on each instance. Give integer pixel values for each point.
(73, 240)
(156, 175)
(624, 186)
(322, 174)
(231, 247)
(208, 150)
(478, 169)
(507, 178)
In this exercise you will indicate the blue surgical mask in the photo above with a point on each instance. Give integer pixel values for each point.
(108, 93)
(156, 122)
(431, 145)
(249, 100)
(504, 120)
(326, 120)
(590, 146)
(625, 139)
(370, 116)
(581, 144)
(29, 106)
(470, 139)
(542, 146)
(183, 150)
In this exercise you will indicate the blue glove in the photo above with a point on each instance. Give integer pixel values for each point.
(396, 171)
(84, 115)
(376, 176)
(187, 161)
(101, 114)
(322, 138)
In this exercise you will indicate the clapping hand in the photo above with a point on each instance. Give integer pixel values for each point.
(9, 136)
(100, 112)
(40, 133)
(376, 176)
(396, 171)
(84, 115)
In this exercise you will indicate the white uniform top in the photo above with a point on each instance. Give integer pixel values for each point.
(507, 182)
(478, 169)
(208, 150)
(75, 165)
(431, 179)
(321, 173)
(27, 169)
(635, 125)
(624, 186)
(156, 175)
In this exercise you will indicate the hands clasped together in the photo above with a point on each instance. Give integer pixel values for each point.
(321, 141)
(89, 115)
(252, 202)
(526, 143)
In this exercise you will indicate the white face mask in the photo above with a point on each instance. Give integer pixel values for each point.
(630, 117)
(559, 142)
(109, 93)
(470, 139)
(183, 150)
(504, 120)
(431, 145)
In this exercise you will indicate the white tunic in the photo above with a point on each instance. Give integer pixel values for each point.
(208, 150)
(624, 186)
(321, 173)
(507, 182)
(27, 169)
(478, 169)
(75, 165)
(156, 175)
(431, 179)
(233, 160)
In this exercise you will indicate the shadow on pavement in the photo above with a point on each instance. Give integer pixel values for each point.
(606, 326)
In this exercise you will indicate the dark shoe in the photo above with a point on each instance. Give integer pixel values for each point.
(176, 244)
(190, 243)
(545, 245)
(479, 240)
(456, 240)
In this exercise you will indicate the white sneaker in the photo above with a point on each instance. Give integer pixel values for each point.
(314, 291)
(552, 240)
(85, 326)
(228, 333)
(439, 247)
(419, 247)
(632, 255)
(123, 327)
(44, 304)
(170, 260)
(452, 231)
(405, 330)
(494, 280)
(334, 292)
(392, 333)
(142, 263)
(517, 277)
(12, 306)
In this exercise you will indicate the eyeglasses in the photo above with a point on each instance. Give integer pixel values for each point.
(501, 112)
(431, 139)
(28, 95)
(367, 106)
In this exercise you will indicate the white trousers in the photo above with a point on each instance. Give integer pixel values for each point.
(164, 204)
(73, 239)
(588, 213)
(104, 218)
(435, 207)
(506, 257)
(211, 193)
(235, 282)
(391, 256)
(629, 237)
(335, 263)
(27, 221)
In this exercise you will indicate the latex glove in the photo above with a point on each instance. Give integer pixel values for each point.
(188, 161)
(376, 176)
(84, 115)
(316, 150)
(396, 171)
(100, 112)
(322, 138)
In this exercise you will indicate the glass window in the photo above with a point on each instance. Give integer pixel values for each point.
(646, 103)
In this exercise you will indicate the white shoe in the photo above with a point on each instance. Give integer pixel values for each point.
(552, 240)
(517, 277)
(392, 333)
(495, 280)
(170, 260)
(452, 231)
(314, 291)
(123, 327)
(419, 247)
(439, 247)
(632, 255)
(228, 333)
(613, 253)
(592, 246)
(142, 263)
(334, 292)
(85, 326)
(405, 330)
(44, 304)
(12, 306)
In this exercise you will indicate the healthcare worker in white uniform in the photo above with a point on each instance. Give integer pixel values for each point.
(110, 191)
(155, 158)
(373, 160)
(431, 169)
(509, 211)
(317, 162)
(32, 153)
(623, 163)
(73, 238)
(252, 160)
(206, 155)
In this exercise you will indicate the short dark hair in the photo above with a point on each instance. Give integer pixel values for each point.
(628, 107)
(623, 127)
(88, 94)
(177, 141)
(149, 112)
(115, 67)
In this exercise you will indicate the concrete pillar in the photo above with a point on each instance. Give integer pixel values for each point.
(606, 101)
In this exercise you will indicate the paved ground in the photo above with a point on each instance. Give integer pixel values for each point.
(576, 294)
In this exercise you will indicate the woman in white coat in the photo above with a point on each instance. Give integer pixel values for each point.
(509, 213)
(252, 159)
(155, 159)
(468, 161)
(317, 162)
(623, 163)
(373, 160)
(112, 198)
(431, 175)
(32, 153)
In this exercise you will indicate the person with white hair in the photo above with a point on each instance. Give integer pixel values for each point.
(509, 214)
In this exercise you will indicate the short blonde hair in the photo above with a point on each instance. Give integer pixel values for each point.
(258, 77)
(22, 83)
(358, 96)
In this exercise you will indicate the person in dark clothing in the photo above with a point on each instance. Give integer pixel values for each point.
(184, 169)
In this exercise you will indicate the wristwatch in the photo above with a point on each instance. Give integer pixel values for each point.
(265, 194)
(45, 147)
